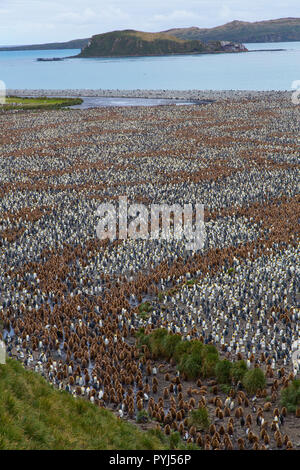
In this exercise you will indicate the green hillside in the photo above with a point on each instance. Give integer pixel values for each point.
(136, 43)
(34, 415)
(283, 29)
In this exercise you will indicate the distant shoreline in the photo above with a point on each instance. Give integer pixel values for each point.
(176, 95)
(55, 59)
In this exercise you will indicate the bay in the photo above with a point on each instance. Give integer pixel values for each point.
(260, 70)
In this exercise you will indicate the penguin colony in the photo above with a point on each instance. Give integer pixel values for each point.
(69, 301)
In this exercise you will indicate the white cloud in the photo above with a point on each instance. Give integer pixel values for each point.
(33, 21)
(225, 12)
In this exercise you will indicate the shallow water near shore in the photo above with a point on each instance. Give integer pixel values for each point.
(96, 102)
(269, 68)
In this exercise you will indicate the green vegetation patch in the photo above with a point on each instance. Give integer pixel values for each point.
(193, 358)
(254, 380)
(199, 418)
(14, 102)
(34, 415)
(290, 396)
(197, 360)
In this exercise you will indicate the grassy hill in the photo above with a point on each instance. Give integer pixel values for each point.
(136, 43)
(283, 29)
(34, 415)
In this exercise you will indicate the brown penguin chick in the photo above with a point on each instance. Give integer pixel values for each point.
(192, 403)
(199, 440)
(181, 428)
(154, 381)
(266, 438)
(173, 413)
(139, 405)
(168, 419)
(273, 397)
(285, 439)
(289, 445)
(274, 426)
(267, 406)
(230, 429)
(241, 443)
(212, 429)
(248, 420)
(279, 443)
(218, 402)
(283, 411)
(207, 445)
(228, 444)
(202, 403)
(215, 443)
(174, 426)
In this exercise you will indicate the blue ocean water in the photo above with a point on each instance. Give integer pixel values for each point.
(262, 70)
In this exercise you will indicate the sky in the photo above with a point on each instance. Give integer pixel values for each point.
(42, 21)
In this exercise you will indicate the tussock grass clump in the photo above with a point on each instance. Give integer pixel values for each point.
(290, 396)
(142, 417)
(34, 415)
(238, 370)
(223, 372)
(254, 380)
(199, 418)
(228, 372)
(193, 358)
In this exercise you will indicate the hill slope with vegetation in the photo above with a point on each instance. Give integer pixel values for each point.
(283, 29)
(136, 43)
(34, 415)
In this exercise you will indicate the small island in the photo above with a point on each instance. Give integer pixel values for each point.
(131, 43)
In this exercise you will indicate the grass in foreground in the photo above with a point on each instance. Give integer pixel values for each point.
(15, 103)
(34, 415)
